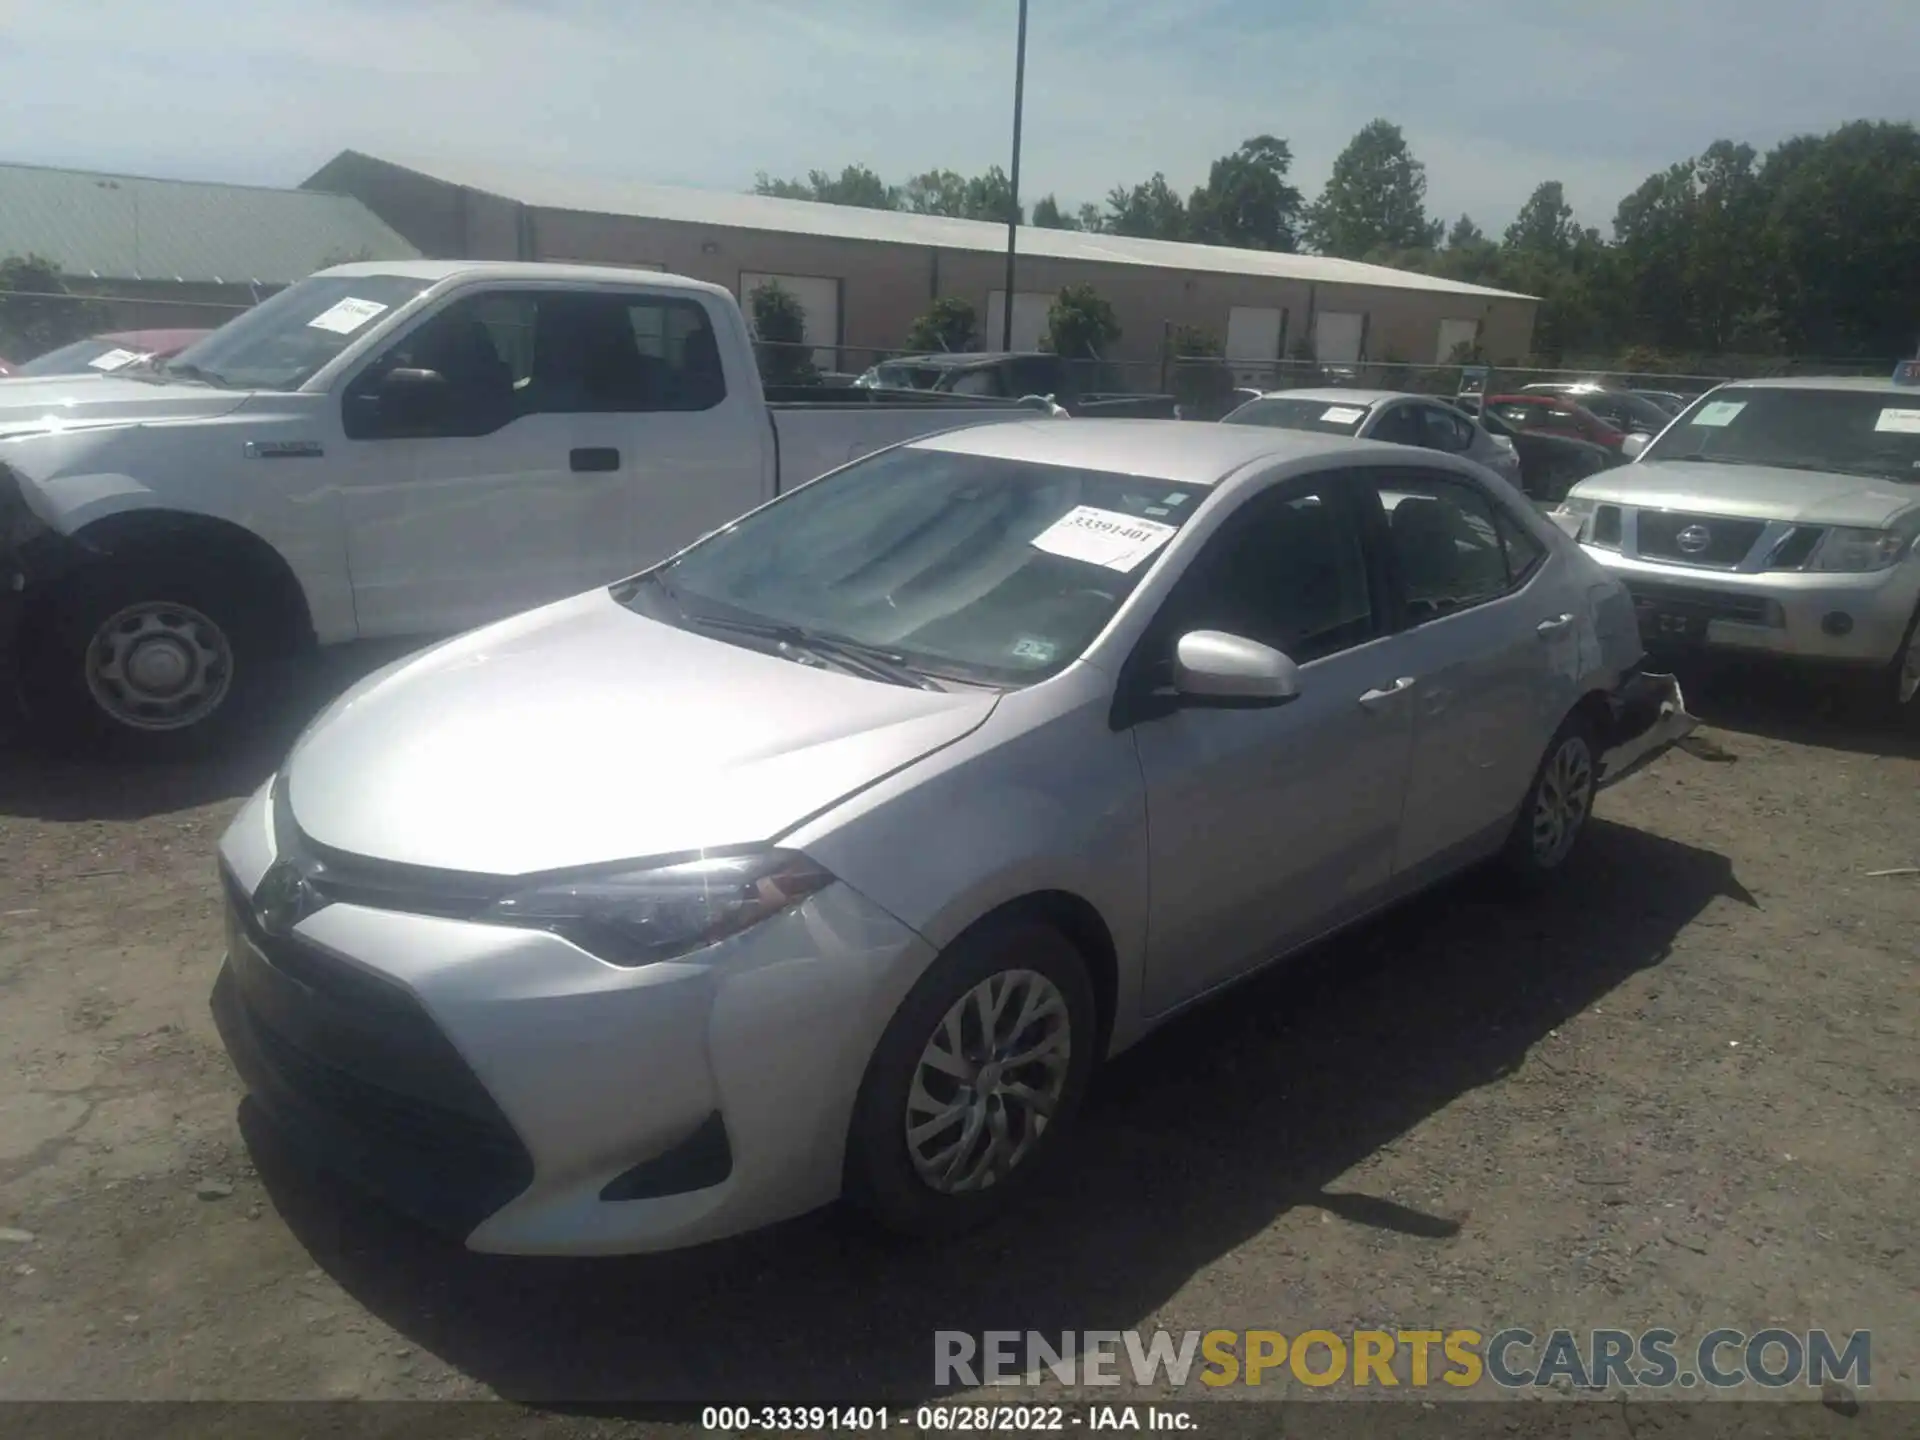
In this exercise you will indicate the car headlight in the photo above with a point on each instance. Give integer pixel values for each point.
(1855, 552)
(1574, 515)
(645, 915)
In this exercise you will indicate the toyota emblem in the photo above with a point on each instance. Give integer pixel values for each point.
(1694, 539)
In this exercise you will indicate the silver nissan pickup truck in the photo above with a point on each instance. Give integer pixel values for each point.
(1778, 518)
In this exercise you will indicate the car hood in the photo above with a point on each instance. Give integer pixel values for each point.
(582, 733)
(68, 402)
(1757, 492)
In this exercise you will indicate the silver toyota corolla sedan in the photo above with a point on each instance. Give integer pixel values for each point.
(831, 856)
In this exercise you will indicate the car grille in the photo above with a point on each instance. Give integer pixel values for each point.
(354, 1067)
(1709, 540)
(1702, 603)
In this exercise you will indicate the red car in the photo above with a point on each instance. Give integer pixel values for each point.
(1555, 415)
(103, 354)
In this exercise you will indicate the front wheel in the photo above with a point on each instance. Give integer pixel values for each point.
(147, 662)
(1902, 684)
(974, 1083)
(1558, 805)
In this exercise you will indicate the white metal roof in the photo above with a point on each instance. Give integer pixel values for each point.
(555, 190)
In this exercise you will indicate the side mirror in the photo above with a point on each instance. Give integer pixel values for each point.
(1634, 444)
(404, 401)
(1210, 666)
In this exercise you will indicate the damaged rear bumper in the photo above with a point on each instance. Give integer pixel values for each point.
(1649, 718)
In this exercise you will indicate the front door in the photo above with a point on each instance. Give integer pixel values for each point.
(1268, 826)
(1485, 627)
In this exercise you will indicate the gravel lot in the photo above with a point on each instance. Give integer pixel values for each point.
(1680, 1090)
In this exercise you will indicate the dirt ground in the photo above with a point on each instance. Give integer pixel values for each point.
(1680, 1090)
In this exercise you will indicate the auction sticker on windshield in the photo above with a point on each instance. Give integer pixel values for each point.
(1341, 414)
(112, 360)
(1103, 537)
(346, 316)
(1720, 412)
(1899, 422)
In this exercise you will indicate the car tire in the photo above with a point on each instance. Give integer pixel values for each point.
(1546, 833)
(144, 661)
(918, 1177)
(1900, 686)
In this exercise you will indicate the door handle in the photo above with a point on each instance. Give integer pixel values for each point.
(596, 461)
(1374, 699)
(1554, 626)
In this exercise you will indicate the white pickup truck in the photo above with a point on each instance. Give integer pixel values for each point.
(383, 450)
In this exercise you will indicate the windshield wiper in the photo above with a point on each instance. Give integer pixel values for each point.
(871, 659)
(176, 370)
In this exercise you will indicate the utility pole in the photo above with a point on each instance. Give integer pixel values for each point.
(1013, 201)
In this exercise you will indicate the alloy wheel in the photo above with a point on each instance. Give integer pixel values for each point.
(1565, 796)
(988, 1081)
(159, 666)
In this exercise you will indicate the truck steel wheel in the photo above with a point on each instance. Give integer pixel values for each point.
(981, 1070)
(155, 665)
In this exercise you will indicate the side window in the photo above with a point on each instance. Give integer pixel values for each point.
(1441, 431)
(1034, 375)
(1288, 570)
(1398, 425)
(460, 372)
(1524, 551)
(977, 382)
(678, 336)
(1445, 542)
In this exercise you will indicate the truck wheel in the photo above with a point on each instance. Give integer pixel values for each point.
(975, 1082)
(146, 662)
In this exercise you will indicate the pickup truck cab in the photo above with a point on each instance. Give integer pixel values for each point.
(381, 450)
(1774, 518)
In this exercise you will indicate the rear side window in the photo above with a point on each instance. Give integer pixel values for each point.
(1442, 431)
(1445, 539)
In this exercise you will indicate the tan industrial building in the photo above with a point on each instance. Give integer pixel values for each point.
(863, 276)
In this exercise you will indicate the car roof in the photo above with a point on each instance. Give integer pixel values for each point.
(1860, 384)
(1343, 395)
(1185, 452)
(435, 271)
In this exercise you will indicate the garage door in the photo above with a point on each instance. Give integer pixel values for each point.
(1454, 334)
(1253, 343)
(1336, 337)
(818, 295)
(1029, 318)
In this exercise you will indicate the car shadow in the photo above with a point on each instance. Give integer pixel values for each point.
(1825, 709)
(1192, 1143)
(38, 785)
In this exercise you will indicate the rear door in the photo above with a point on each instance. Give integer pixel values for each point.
(1268, 826)
(1488, 628)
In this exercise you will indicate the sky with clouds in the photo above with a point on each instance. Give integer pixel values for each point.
(1494, 95)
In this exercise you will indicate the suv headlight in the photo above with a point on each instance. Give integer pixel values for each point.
(642, 916)
(1856, 552)
(1574, 515)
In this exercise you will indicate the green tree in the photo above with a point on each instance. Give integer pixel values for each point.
(1151, 210)
(1247, 200)
(1081, 324)
(1202, 383)
(1048, 215)
(780, 328)
(35, 314)
(1375, 198)
(947, 192)
(855, 185)
(1092, 219)
(1465, 234)
(949, 324)
(1545, 223)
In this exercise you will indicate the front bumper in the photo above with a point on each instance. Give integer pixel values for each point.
(506, 1087)
(1785, 613)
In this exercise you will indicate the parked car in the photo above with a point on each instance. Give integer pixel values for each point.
(1774, 518)
(1671, 401)
(1391, 415)
(1555, 415)
(831, 855)
(1550, 464)
(104, 354)
(1080, 387)
(1623, 410)
(387, 449)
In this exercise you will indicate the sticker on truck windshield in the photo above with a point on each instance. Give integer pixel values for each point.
(344, 317)
(1033, 650)
(1899, 422)
(1341, 414)
(113, 360)
(1103, 537)
(1720, 412)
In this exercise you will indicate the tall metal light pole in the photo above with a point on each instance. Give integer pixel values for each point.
(1013, 202)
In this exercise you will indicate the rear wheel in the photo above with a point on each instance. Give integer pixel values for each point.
(977, 1078)
(147, 661)
(1558, 805)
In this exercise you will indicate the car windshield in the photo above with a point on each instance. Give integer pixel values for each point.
(958, 566)
(82, 357)
(1852, 432)
(1293, 412)
(283, 342)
